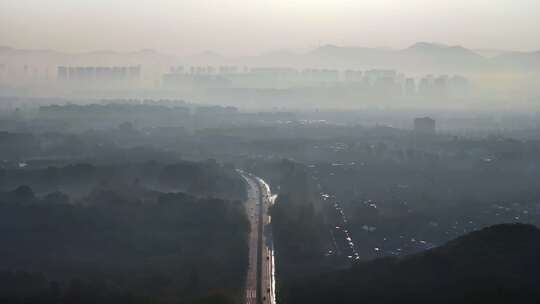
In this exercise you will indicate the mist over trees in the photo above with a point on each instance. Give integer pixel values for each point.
(119, 242)
(330, 174)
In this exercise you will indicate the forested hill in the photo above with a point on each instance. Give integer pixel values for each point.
(498, 264)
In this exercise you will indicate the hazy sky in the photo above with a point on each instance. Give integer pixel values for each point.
(242, 27)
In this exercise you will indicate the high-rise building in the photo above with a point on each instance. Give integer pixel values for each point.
(424, 125)
(409, 87)
(62, 73)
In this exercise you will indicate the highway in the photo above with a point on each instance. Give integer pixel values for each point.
(260, 279)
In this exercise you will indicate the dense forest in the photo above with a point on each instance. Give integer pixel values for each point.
(122, 243)
(203, 179)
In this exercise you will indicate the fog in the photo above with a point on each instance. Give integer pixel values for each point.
(423, 75)
(472, 55)
(269, 152)
(242, 27)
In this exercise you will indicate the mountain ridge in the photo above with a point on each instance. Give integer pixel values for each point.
(498, 264)
(422, 57)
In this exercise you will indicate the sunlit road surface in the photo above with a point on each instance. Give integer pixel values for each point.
(268, 279)
(260, 281)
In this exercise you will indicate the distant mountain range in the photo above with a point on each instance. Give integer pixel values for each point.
(421, 57)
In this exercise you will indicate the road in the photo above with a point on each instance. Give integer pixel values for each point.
(260, 280)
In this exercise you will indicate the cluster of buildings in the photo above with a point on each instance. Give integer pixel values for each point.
(241, 82)
(385, 81)
(26, 73)
(99, 73)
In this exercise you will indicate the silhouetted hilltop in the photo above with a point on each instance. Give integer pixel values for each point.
(498, 264)
(434, 49)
